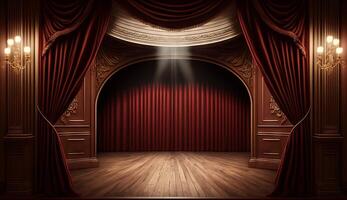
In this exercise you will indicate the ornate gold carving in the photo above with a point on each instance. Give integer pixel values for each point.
(275, 110)
(103, 65)
(242, 63)
(234, 54)
(72, 109)
(246, 71)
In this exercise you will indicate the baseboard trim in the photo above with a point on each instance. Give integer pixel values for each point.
(264, 163)
(82, 163)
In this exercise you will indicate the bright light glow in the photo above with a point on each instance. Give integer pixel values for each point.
(336, 42)
(320, 50)
(7, 51)
(26, 50)
(174, 57)
(10, 42)
(330, 39)
(339, 50)
(17, 39)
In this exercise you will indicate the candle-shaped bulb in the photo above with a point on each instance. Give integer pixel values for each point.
(336, 42)
(320, 50)
(17, 39)
(26, 50)
(7, 51)
(330, 39)
(10, 42)
(339, 50)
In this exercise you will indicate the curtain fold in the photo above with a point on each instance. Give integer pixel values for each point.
(173, 13)
(139, 112)
(70, 35)
(276, 33)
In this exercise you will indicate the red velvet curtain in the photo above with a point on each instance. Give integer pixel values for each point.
(174, 13)
(139, 112)
(71, 33)
(276, 33)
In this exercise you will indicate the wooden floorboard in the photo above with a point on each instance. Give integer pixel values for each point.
(173, 174)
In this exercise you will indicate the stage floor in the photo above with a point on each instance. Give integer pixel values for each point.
(173, 174)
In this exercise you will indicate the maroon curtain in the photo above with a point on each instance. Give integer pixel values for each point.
(139, 112)
(71, 33)
(276, 33)
(174, 13)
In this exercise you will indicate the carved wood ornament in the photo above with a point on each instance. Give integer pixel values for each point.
(275, 110)
(71, 110)
(115, 53)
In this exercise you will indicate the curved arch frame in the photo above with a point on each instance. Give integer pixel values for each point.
(198, 58)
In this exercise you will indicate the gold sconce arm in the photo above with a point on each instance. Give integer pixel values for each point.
(330, 56)
(16, 57)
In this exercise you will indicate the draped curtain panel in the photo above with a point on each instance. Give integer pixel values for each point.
(172, 13)
(139, 112)
(276, 33)
(70, 35)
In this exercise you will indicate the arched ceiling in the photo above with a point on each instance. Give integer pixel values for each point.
(221, 27)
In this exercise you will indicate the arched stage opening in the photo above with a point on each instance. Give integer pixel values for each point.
(174, 127)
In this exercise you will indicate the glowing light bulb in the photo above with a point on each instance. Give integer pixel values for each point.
(26, 50)
(320, 50)
(330, 39)
(339, 50)
(10, 42)
(7, 51)
(17, 39)
(336, 42)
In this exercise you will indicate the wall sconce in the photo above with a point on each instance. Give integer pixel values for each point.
(14, 55)
(330, 57)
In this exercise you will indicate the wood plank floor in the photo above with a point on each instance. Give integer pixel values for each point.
(173, 174)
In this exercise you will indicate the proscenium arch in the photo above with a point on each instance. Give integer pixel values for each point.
(196, 58)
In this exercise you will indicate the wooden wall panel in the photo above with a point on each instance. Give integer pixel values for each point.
(3, 113)
(78, 113)
(74, 128)
(343, 112)
(272, 127)
(18, 97)
(326, 99)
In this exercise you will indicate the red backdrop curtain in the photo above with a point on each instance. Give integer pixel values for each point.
(173, 13)
(70, 35)
(276, 33)
(139, 112)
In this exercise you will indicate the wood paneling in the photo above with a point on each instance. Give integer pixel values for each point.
(76, 144)
(271, 146)
(78, 113)
(21, 18)
(328, 166)
(327, 105)
(19, 165)
(75, 128)
(173, 174)
(3, 113)
(343, 112)
(272, 127)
